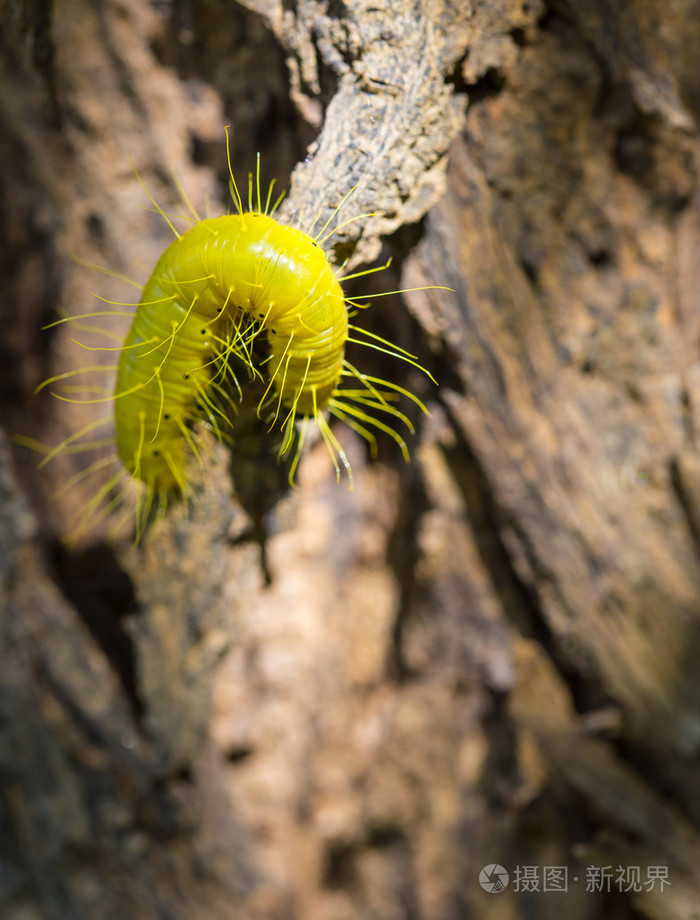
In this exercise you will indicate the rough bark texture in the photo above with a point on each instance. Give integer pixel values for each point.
(329, 704)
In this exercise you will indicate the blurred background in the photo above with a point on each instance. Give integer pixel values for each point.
(467, 688)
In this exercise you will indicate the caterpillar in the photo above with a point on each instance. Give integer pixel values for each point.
(239, 291)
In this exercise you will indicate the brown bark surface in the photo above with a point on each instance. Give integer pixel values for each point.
(323, 703)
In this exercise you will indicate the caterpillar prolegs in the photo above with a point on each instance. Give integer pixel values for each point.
(239, 290)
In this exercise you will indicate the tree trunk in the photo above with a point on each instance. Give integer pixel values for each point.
(323, 703)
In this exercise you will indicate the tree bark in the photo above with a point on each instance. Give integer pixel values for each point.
(323, 703)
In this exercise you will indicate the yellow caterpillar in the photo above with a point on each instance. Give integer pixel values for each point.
(199, 306)
(245, 287)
